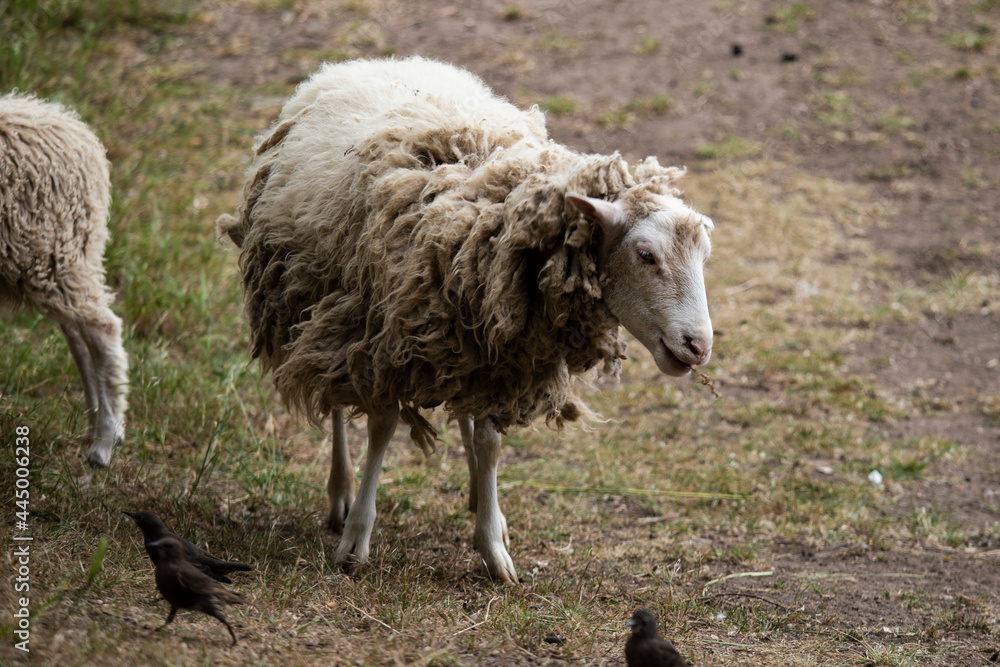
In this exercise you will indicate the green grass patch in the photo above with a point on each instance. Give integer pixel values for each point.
(647, 46)
(730, 147)
(835, 110)
(787, 18)
(562, 105)
(967, 40)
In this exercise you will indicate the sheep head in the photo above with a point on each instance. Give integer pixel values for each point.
(652, 257)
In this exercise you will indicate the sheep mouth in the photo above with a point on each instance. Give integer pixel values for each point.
(669, 363)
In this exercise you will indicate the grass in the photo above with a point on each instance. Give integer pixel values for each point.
(730, 147)
(647, 46)
(836, 110)
(658, 507)
(561, 105)
(787, 18)
(967, 41)
(634, 111)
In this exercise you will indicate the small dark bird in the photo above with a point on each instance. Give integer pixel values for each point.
(153, 529)
(737, 50)
(184, 586)
(645, 648)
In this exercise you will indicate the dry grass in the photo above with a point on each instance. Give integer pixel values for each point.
(679, 490)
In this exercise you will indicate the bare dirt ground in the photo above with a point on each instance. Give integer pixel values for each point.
(913, 117)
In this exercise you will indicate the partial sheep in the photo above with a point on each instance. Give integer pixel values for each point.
(55, 191)
(410, 240)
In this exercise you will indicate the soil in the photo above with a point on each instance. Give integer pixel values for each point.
(936, 171)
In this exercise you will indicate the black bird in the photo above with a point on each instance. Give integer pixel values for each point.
(645, 648)
(153, 529)
(184, 586)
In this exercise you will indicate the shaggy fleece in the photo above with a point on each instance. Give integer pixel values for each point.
(405, 238)
(55, 191)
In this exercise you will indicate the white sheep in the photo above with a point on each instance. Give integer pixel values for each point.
(55, 191)
(410, 240)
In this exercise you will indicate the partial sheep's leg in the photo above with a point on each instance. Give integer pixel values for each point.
(340, 486)
(84, 366)
(102, 336)
(491, 525)
(465, 426)
(354, 544)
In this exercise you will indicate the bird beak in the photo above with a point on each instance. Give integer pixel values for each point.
(631, 623)
(127, 513)
(153, 544)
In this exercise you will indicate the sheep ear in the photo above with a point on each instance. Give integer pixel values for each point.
(610, 215)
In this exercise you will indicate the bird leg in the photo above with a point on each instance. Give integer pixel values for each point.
(218, 614)
(491, 535)
(170, 618)
(466, 427)
(340, 486)
(354, 544)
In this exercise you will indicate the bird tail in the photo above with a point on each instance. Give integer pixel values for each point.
(234, 566)
(232, 597)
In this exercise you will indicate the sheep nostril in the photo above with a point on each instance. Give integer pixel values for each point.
(695, 347)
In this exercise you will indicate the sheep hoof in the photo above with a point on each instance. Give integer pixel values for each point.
(500, 567)
(351, 554)
(99, 456)
(498, 562)
(351, 567)
(338, 515)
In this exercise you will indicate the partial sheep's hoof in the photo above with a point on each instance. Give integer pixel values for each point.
(99, 457)
(502, 572)
(351, 566)
(100, 451)
(338, 516)
(352, 552)
(498, 562)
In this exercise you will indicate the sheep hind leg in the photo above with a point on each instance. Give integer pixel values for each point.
(466, 427)
(354, 544)
(108, 373)
(84, 365)
(340, 486)
(491, 535)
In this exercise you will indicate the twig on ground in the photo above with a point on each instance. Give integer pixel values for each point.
(739, 575)
(369, 616)
(622, 491)
(485, 618)
(745, 595)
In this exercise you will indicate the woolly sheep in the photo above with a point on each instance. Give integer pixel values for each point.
(55, 191)
(411, 240)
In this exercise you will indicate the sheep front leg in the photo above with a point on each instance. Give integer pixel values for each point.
(102, 336)
(491, 525)
(354, 544)
(340, 486)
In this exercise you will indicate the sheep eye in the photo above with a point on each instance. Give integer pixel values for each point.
(646, 256)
